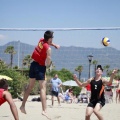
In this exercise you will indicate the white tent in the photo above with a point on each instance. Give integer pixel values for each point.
(70, 83)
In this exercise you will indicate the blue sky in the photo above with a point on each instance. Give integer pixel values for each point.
(61, 14)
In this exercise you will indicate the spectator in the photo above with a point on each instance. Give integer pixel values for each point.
(88, 87)
(55, 88)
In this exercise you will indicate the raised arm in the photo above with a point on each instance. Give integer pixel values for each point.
(80, 84)
(48, 59)
(10, 101)
(54, 45)
(111, 78)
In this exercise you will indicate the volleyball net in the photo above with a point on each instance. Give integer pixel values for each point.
(76, 45)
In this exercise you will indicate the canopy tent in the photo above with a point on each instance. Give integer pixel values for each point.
(70, 83)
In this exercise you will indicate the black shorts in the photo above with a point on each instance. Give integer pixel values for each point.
(37, 71)
(54, 93)
(94, 102)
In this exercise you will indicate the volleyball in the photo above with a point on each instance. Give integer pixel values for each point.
(105, 41)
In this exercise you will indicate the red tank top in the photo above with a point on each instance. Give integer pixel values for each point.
(2, 99)
(40, 52)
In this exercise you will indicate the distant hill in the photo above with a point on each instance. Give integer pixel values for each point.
(67, 57)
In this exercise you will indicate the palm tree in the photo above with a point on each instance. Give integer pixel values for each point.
(95, 62)
(106, 68)
(79, 70)
(27, 60)
(10, 50)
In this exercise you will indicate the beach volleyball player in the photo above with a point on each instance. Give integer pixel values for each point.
(41, 59)
(97, 100)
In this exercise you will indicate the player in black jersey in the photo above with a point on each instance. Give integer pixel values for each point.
(97, 100)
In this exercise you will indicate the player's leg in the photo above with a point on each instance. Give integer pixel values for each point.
(97, 111)
(40, 76)
(52, 98)
(30, 85)
(43, 94)
(43, 97)
(26, 94)
(89, 111)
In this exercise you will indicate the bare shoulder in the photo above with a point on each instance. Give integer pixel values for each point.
(92, 78)
(6, 93)
(89, 80)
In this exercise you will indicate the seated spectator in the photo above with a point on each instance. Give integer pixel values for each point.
(67, 96)
(82, 98)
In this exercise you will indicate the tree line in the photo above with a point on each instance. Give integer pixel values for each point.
(20, 75)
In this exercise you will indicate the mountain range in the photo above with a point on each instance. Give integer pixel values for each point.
(67, 57)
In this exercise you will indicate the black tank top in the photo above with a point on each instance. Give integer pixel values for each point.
(96, 87)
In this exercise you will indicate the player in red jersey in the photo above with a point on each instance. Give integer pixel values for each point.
(6, 96)
(41, 59)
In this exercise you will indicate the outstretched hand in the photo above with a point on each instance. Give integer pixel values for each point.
(74, 76)
(114, 71)
(57, 46)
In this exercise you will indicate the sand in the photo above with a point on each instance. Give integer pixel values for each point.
(111, 111)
